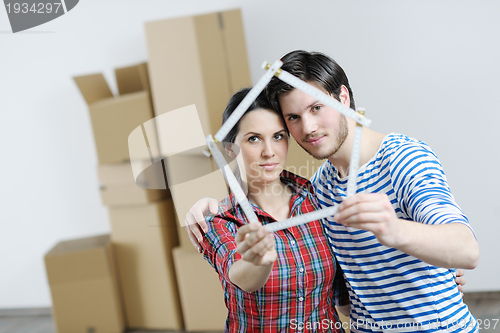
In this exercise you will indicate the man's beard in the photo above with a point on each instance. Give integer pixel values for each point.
(342, 132)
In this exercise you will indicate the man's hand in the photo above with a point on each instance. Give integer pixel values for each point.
(372, 212)
(256, 244)
(195, 219)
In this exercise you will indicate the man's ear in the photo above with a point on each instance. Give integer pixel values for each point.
(229, 150)
(344, 96)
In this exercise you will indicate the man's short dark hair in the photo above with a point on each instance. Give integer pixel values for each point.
(310, 67)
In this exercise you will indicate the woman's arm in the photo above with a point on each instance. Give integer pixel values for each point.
(256, 246)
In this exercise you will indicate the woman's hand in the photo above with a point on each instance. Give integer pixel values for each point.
(256, 244)
(195, 219)
(460, 280)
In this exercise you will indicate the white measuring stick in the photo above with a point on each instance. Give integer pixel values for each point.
(240, 196)
(352, 180)
(247, 101)
(322, 97)
(302, 219)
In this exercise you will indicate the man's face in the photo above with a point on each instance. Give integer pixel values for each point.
(319, 129)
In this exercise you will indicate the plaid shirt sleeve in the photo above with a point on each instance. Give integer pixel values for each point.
(340, 291)
(219, 246)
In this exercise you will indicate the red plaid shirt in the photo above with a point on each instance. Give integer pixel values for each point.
(305, 282)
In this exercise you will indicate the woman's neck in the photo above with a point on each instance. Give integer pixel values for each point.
(273, 198)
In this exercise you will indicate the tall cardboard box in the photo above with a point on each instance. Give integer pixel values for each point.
(144, 237)
(200, 60)
(195, 62)
(191, 174)
(119, 188)
(114, 118)
(84, 286)
(202, 297)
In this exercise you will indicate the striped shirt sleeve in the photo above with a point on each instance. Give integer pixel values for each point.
(421, 187)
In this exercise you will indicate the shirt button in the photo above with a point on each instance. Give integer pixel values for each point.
(301, 299)
(301, 270)
(292, 243)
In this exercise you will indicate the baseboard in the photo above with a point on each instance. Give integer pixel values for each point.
(21, 312)
(481, 295)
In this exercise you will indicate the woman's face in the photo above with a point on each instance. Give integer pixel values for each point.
(263, 145)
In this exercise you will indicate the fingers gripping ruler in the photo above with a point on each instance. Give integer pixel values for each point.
(240, 196)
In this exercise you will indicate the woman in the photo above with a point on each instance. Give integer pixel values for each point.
(284, 281)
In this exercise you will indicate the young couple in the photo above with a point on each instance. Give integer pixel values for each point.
(393, 246)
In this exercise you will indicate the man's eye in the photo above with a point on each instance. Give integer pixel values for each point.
(317, 107)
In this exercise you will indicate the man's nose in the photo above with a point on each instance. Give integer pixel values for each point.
(309, 125)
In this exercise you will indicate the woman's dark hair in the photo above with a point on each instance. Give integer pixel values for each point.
(260, 102)
(310, 67)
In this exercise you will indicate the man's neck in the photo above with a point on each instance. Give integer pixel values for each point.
(370, 144)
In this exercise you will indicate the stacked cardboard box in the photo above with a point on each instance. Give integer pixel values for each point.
(197, 63)
(140, 208)
(84, 286)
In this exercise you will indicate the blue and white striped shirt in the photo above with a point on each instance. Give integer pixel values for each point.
(390, 290)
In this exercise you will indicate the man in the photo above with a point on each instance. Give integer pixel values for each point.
(399, 238)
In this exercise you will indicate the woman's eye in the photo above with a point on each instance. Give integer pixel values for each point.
(253, 139)
(291, 118)
(278, 137)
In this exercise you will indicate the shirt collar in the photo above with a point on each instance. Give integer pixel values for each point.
(299, 185)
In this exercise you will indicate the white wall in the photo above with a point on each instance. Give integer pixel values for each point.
(428, 69)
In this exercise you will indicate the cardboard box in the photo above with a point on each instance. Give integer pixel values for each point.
(114, 118)
(184, 240)
(84, 286)
(130, 195)
(120, 189)
(199, 60)
(192, 177)
(144, 237)
(202, 302)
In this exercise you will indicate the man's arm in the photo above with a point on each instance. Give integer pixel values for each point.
(450, 245)
(195, 220)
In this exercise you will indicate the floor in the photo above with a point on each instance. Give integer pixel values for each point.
(484, 306)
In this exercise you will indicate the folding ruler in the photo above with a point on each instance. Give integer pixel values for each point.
(241, 198)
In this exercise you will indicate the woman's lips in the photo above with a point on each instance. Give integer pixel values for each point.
(269, 166)
(316, 141)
